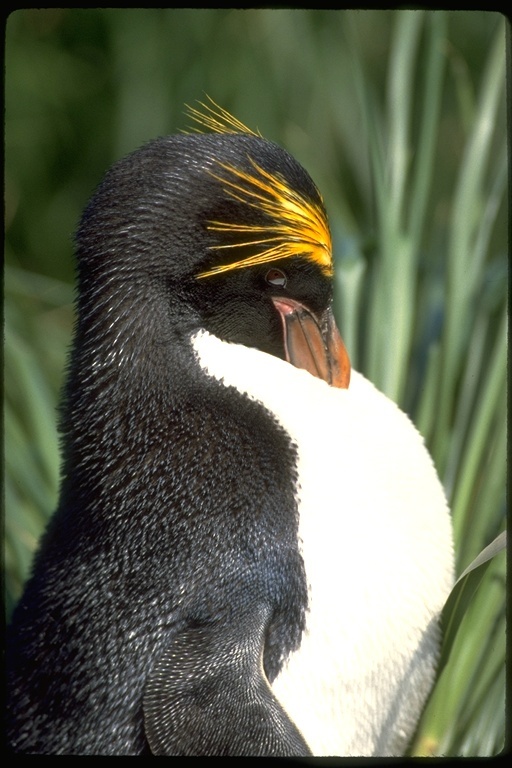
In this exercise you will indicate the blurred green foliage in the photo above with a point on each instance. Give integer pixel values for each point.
(400, 117)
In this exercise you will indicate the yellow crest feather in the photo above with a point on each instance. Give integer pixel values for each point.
(297, 226)
(217, 119)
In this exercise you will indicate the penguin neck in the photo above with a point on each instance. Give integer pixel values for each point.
(130, 364)
(127, 334)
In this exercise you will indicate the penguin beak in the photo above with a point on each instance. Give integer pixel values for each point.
(313, 343)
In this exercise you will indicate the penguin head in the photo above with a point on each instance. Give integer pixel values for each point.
(227, 231)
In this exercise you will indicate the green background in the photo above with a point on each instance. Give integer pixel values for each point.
(400, 118)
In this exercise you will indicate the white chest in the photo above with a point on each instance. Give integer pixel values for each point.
(377, 547)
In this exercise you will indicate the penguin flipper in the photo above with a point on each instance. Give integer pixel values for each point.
(208, 696)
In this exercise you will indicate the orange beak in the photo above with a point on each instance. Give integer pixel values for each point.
(313, 344)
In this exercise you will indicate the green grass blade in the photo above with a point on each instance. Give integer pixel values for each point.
(462, 266)
(462, 594)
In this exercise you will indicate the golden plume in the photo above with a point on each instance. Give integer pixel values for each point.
(297, 225)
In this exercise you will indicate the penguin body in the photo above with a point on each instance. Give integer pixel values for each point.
(375, 538)
(197, 590)
(198, 544)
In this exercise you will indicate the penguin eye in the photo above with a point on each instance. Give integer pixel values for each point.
(276, 278)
